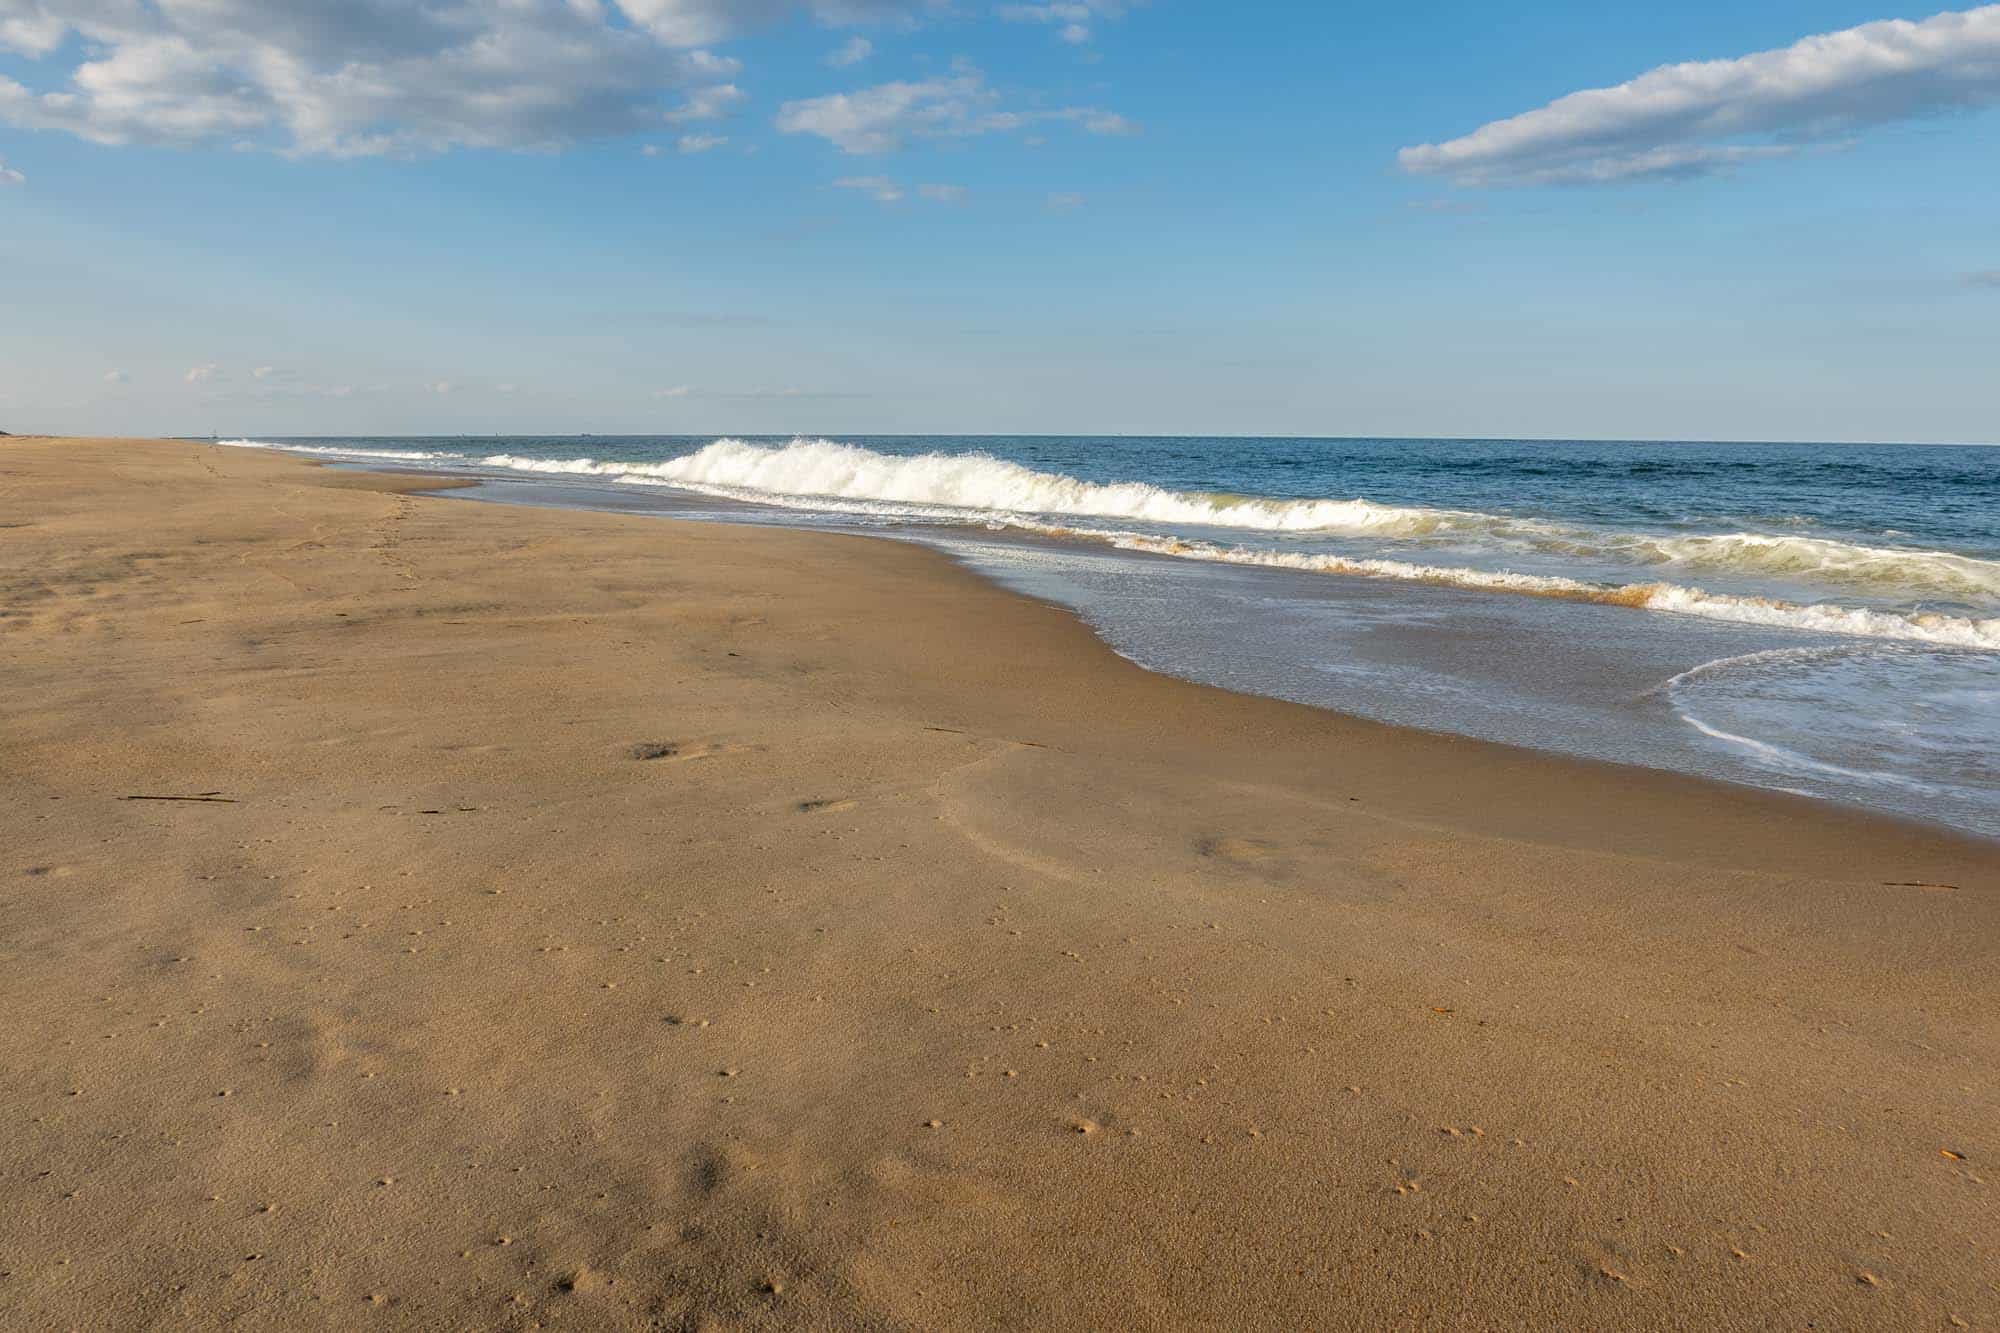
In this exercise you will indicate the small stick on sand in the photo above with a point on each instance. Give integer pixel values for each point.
(209, 797)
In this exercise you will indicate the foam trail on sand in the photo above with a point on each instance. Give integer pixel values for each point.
(1909, 716)
(399, 455)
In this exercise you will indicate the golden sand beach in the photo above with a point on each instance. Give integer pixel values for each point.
(424, 914)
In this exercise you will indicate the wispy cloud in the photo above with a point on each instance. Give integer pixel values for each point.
(1065, 202)
(1988, 278)
(1071, 19)
(710, 103)
(1705, 117)
(116, 377)
(879, 188)
(1101, 122)
(9, 176)
(852, 52)
(677, 391)
(202, 374)
(958, 105)
(1446, 207)
(700, 143)
(884, 190)
(700, 22)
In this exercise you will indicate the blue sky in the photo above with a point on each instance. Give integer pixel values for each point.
(847, 216)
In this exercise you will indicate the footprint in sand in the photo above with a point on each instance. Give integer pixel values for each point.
(1264, 859)
(684, 751)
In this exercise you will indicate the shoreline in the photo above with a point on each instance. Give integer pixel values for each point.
(941, 545)
(1224, 1008)
(1860, 714)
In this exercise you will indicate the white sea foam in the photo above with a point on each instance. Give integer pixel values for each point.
(978, 482)
(1909, 716)
(1937, 572)
(397, 455)
(1777, 756)
(940, 485)
(1915, 626)
(816, 474)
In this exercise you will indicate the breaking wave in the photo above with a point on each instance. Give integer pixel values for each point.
(980, 484)
(816, 474)
(1917, 626)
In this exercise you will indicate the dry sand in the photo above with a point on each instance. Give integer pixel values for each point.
(611, 922)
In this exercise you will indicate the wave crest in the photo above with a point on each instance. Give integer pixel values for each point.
(1916, 626)
(1940, 572)
(982, 483)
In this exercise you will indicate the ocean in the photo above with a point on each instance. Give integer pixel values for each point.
(1818, 618)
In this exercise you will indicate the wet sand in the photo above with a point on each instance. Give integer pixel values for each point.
(443, 915)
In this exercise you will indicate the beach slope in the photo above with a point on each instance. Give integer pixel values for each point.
(434, 914)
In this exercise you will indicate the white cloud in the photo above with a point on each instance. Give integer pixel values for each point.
(697, 22)
(879, 188)
(116, 377)
(709, 65)
(357, 77)
(943, 194)
(263, 372)
(202, 374)
(1703, 117)
(856, 50)
(30, 29)
(1065, 202)
(650, 150)
(879, 119)
(9, 176)
(441, 387)
(1070, 18)
(711, 103)
(873, 120)
(678, 391)
(701, 143)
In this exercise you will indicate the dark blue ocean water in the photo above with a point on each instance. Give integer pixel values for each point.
(1819, 617)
